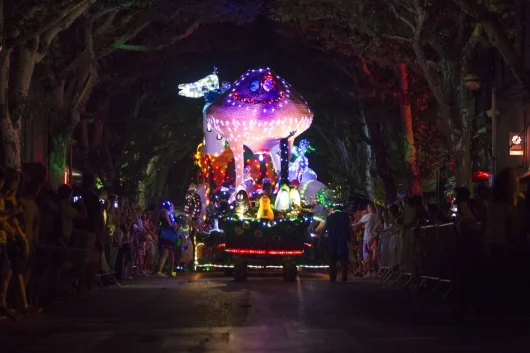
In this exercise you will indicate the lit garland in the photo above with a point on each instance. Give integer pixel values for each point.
(265, 252)
(262, 267)
(192, 208)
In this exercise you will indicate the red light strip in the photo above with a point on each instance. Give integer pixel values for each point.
(264, 252)
(222, 245)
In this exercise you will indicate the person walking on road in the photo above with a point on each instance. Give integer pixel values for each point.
(338, 229)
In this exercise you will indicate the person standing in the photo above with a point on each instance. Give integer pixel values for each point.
(369, 221)
(89, 233)
(168, 237)
(338, 229)
(470, 256)
(31, 223)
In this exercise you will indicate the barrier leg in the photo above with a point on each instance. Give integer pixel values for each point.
(388, 276)
(411, 278)
(381, 272)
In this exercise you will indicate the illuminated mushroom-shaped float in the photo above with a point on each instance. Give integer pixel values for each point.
(262, 113)
(258, 111)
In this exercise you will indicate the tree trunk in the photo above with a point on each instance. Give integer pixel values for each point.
(411, 155)
(9, 128)
(83, 142)
(379, 147)
(369, 184)
(462, 150)
(496, 32)
(11, 142)
(13, 102)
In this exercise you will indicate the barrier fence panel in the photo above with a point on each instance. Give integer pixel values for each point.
(436, 251)
(418, 256)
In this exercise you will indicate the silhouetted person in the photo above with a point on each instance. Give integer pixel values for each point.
(338, 228)
(470, 256)
(504, 240)
(89, 232)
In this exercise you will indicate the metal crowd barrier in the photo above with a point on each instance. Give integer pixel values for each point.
(420, 258)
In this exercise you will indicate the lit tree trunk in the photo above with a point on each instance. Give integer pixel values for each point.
(379, 147)
(66, 102)
(369, 184)
(10, 128)
(410, 149)
(58, 158)
(14, 102)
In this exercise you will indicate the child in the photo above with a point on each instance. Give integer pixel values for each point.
(186, 247)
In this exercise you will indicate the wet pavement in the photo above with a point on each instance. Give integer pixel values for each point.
(208, 313)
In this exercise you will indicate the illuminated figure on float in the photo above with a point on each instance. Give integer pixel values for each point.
(300, 167)
(258, 111)
(209, 89)
(248, 181)
(213, 144)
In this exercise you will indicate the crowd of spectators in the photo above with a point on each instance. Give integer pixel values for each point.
(57, 244)
(490, 248)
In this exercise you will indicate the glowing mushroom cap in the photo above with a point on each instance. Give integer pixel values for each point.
(258, 110)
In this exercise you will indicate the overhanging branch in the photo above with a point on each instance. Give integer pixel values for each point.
(136, 47)
(50, 24)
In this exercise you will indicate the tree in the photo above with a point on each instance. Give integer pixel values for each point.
(433, 37)
(491, 15)
(28, 28)
(320, 23)
(75, 67)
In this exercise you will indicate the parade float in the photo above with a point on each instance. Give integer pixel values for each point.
(259, 199)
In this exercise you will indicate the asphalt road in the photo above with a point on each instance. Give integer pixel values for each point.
(209, 313)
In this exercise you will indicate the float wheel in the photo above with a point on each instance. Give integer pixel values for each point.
(290, 272)
(240, 269)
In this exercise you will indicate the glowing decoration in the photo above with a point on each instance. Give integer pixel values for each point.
(308, 175)
(284, 161)
(193, 206)
(480, 176)
(258, 117)
(294, 195)
(215, 227)
(265, 252)
(268, 83)
(254, 86)
(283, 201)
(263, 267)
(248, 181)
(516, 145)
(310, 189)
(242, 202)
(199, 88)
(209, 89)
(301, 163)
(265, 210)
